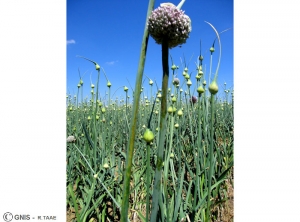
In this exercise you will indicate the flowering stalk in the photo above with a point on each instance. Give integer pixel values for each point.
(170, 27)
(97, 67)
(213, 89)
(162, 131)
(127, 173)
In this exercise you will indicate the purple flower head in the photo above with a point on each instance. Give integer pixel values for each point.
(171, 23)
(194, 99)
(176, 81)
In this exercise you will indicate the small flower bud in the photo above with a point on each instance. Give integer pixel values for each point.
(170, 109)
(200, 90)
(106, 166)
(180, 113)
(148, 136)
(213, 88)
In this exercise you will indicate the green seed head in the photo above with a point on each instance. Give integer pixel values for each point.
(92, 86)
(212, 49)
(200, 90)
(213, 88)
(78, 85)
(200, 73)
(108, 84)
(204, 83)
(170, 109)
(81, 82)
(180, 113)
(187, 76)
(176, 125)
(106, 166)
(148, 136)
(172, 155)
(125, 89)
(189, 82)
(150, 82)
(200, 57)
(173, 99)
(97, 67)
(103, 110)
(173, 67)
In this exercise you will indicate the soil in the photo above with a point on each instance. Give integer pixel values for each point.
(225, 212)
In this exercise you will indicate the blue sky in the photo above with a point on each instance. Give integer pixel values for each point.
(110, 33)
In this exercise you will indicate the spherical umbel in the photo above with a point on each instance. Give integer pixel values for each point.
(170, 23)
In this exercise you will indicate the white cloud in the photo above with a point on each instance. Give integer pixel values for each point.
(111, 63)
(71, 41)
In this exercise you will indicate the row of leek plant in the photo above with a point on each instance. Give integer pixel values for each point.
(185, 164)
